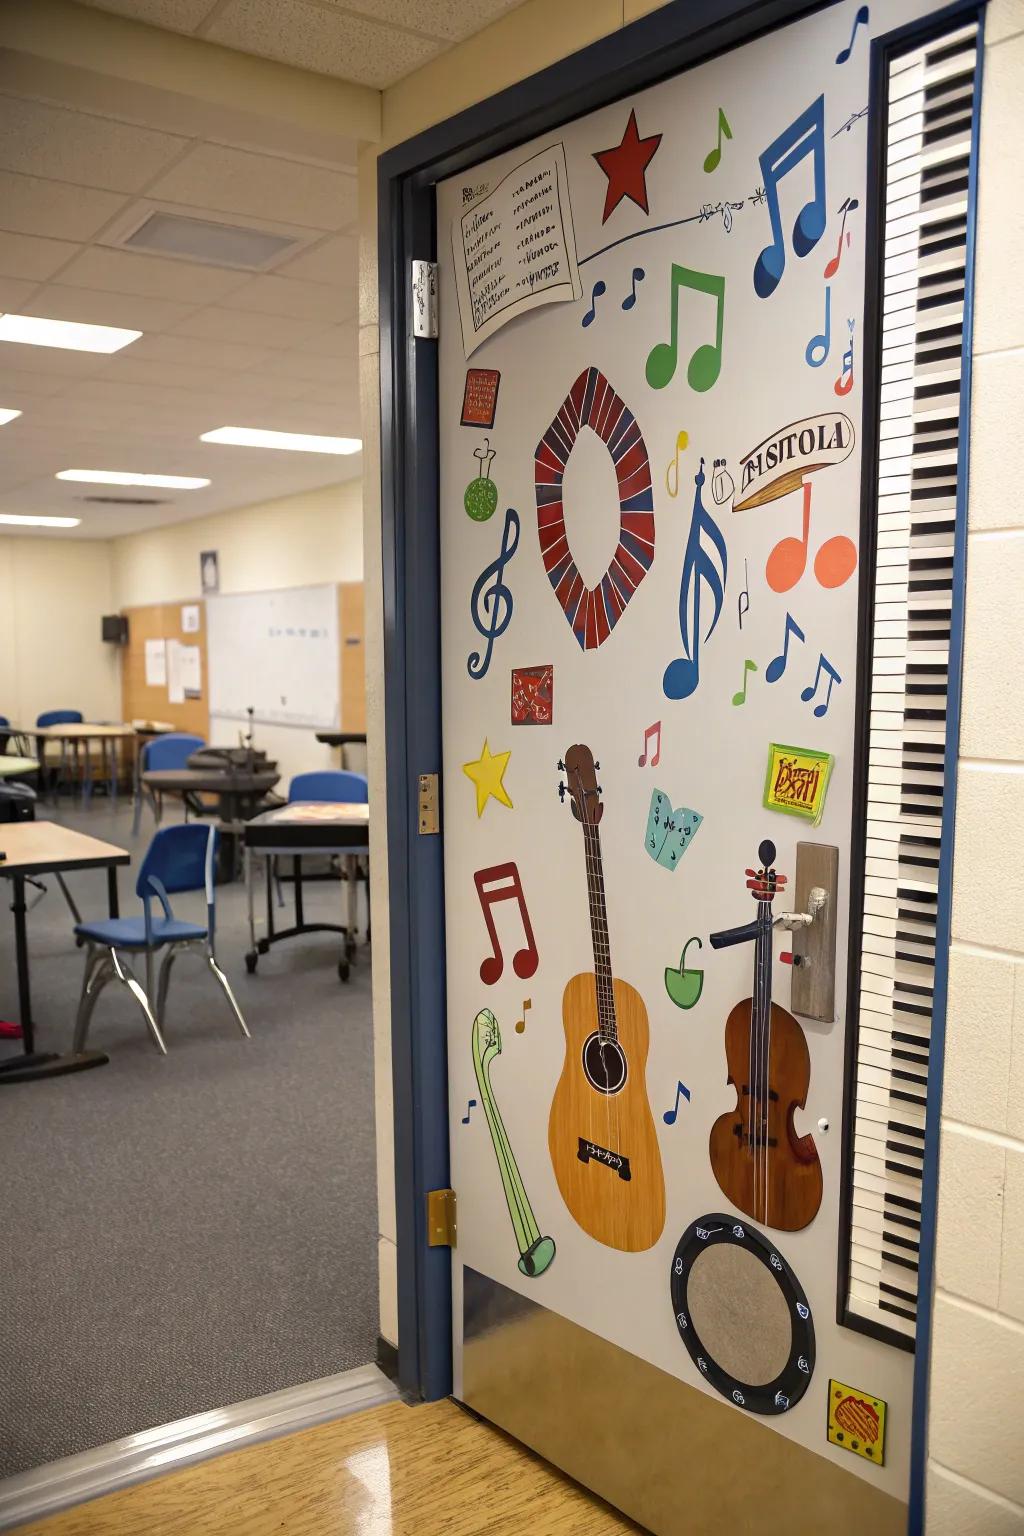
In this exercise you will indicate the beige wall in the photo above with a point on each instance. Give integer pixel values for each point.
(976, 1472)
(295, 541)
(52, 597)
(976, 1480)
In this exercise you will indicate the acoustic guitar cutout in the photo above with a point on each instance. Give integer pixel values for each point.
(601, 1134)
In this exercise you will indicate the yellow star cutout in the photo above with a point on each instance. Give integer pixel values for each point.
(487, 773)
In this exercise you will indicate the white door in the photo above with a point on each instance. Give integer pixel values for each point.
(650, 457)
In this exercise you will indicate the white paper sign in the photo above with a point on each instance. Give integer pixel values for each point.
(190, 619)
(191, 674)
(515, 249)
(175, 684)
(156, 664)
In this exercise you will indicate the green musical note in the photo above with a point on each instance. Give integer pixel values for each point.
(712, 161)
(706, 362)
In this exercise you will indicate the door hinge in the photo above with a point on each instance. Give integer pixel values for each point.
(428, 805)
(424, 299)
(442, 1223)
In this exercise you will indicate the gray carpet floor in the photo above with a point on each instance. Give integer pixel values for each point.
(182, 1232)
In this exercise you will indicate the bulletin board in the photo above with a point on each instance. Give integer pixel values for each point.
(139, 701)
(650, 545)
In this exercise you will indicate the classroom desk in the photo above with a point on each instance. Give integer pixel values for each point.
(304, 827)
(16, 767)
(238, 799)
(108, 736)
(43, 848)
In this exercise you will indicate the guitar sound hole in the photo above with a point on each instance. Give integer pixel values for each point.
(604, 1064)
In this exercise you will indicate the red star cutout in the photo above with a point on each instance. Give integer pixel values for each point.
(625, 166)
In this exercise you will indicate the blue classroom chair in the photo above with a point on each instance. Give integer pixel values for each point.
(178, 859)
(170, 751)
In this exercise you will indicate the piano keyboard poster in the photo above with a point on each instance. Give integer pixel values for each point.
(650, 381)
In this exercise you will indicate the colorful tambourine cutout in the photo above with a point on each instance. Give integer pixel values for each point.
(593, 612)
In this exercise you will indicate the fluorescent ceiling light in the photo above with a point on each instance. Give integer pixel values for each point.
(40, 522)
(7, 415)
(126, 477)
(296, 442)
(67, 334)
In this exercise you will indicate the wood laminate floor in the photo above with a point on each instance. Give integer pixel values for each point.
(393, 1471)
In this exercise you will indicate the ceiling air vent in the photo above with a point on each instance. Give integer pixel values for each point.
(217, 245)
(125, 501)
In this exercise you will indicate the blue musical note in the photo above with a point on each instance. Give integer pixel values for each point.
(816, 350)
(491, 608)
(699, 569)
(638, 276)
(775, 668)
(861, 19)
(805, 136)
(469, 1110)
(596, 292)
(808, 693)
(670, 1115)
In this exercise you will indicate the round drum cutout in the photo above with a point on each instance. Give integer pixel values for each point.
(742, 1314)
(593, 612)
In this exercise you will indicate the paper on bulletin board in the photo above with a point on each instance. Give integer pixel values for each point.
(175, 682)
(191, 672)
(156, 664)
(515, 249)
(190, 618)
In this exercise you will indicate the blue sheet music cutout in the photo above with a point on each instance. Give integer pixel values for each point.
(700, 569)
(669, 832)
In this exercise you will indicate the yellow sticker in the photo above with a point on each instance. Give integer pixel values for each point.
(856, 1421)
(796, 781)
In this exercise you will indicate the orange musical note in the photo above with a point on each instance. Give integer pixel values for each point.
(844, 208)
(834, 563)
(504, 883)
(706, 361)
(652, 732)
(521, 1023)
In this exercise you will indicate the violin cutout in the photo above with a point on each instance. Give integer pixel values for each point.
(761, 1164)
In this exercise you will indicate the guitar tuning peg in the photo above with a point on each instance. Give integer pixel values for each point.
(561, 791)
(560, 766)
(598, 767)
(598, 787)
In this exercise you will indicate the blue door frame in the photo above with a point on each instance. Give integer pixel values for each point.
(665, 43)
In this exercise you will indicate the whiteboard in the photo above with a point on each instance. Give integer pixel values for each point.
(277, 653)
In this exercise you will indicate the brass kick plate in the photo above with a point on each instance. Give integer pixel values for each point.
(814, 977)
(442, 1225)
(428, 804)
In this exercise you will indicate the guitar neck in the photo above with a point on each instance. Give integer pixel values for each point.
(599, 933)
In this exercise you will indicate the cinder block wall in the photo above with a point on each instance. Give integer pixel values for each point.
(976, 1469)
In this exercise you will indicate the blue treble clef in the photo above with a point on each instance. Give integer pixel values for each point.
(699, 569)
(492, 601)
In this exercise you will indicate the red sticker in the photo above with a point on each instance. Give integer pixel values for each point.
(480, 400)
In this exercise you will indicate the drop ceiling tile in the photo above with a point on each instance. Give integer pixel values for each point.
(33, 257)
(334, 261)
(312, 369)
(20, 388)
(194, 353)
(125, 272)
(311, 37)
(175, 15)
(333, 341)
(31, 206)
(75, 147)
(215, 324)
(14, 292)
(259, 382)
(16, 357)
(439, 18)
(93, 307)
(216, 177)
(266, 295)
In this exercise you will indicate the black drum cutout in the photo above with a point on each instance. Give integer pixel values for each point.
(789, 1384)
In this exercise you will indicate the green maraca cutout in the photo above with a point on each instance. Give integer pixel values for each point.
(481, 498)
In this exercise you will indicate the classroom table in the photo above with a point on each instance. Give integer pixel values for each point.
(301, 828)
(43, 848)
(12, 767)
(239, 795)
(107, 735)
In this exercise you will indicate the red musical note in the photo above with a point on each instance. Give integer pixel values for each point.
(501, 883)
(652, 733)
